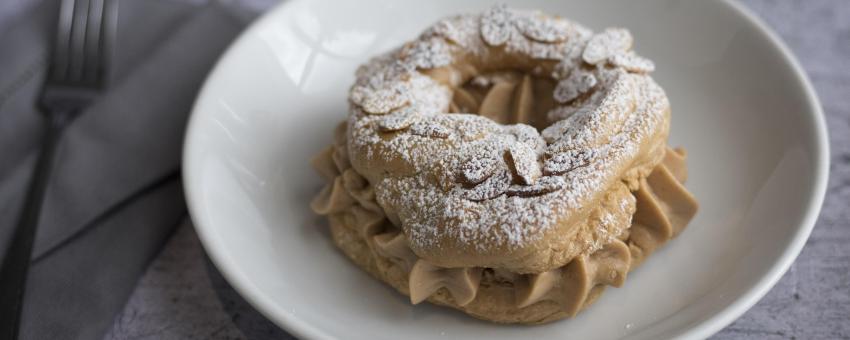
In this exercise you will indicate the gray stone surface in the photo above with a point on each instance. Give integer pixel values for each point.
(183, 297)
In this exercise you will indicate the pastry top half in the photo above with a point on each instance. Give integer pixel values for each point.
(507, 139)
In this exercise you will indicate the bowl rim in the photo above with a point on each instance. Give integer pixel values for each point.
(751, 296)
(705, 328)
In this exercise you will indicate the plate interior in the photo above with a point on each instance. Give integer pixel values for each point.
(739, 108)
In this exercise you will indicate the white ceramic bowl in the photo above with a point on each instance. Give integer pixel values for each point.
(741, 106)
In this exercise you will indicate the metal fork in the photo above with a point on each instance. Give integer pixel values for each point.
(76, 75)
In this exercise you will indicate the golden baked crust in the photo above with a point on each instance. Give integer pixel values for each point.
(431, 193)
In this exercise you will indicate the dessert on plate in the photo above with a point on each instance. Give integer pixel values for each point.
(509, 164)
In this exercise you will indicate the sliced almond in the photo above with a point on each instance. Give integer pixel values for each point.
(427, 53)
(430, 129)
(446, 29)
(477, 169)
(564, 162)
(608, 43)
(492, 187)
(496, 26)
(382, 100)
(632, 62)
(542, 186)
(543, 28)
(399, 120)
(527, 135)
(577, 83)
(524, 161)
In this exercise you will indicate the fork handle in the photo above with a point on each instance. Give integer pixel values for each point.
(16, 262)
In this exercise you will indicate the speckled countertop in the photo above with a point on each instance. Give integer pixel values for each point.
(182, 296)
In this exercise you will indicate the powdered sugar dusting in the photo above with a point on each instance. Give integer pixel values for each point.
(527, 135)
(429, 129)
(632, 62)
(543, 186)
(610, 42)
(397, 120)
(381, 100)
(427, 53)
(543, 28)
(564, 162)
(446, 178)
(492, 187)
(497, 25)
(477, 169)
(524, 161)
(578, 83)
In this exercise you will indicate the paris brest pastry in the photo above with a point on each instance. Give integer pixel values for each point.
(509, 164)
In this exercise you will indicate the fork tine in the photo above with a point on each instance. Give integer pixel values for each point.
(95, 49)
(109, 24)
(61, 53)
(78, 39)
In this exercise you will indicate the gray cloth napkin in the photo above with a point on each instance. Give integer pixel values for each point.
(114, 196)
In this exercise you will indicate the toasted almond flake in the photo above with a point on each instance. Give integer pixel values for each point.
(563, 68)
(608, 43)
(632, 62)
(543, 28)
(496, 27)
(398, 120)
(357, 94)
(527, 135)
(446, 29)
(579, 82)
(564, 162)
(492, 187)
(542, 186)
(524, 163)
(430, 129)
(383, 100)
(427, 54)
(478, 169)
